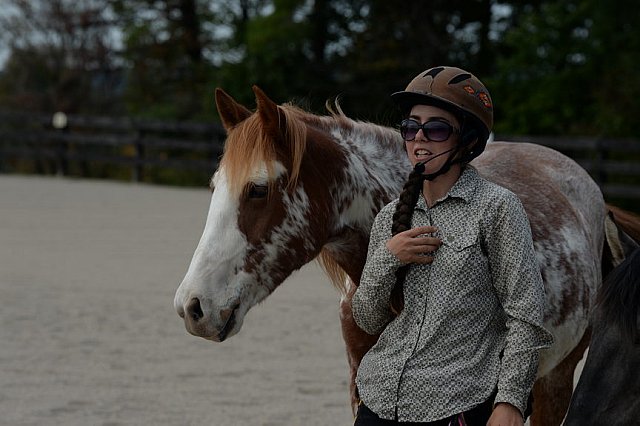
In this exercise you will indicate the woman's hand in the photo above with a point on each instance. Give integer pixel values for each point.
(505, 414)
(413, 246)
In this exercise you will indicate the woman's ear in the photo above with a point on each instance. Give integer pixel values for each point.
(469, 137)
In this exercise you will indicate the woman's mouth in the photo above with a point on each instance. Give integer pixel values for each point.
(422, 153)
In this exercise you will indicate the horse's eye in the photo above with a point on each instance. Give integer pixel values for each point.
(258, 191)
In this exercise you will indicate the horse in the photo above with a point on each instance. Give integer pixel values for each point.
(608, 391)
(292, 187)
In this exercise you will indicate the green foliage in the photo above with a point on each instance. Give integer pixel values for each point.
(565, 69)
(554, 67)
(399, 42)
(59, 57)
(166, 71)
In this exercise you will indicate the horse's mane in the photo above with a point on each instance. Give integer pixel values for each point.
(619, 297)
(249, 146)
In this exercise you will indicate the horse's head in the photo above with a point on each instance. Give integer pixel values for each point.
(260, 227)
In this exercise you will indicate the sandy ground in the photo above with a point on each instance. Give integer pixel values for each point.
(88, 334)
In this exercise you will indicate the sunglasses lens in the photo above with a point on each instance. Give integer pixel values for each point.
(437, 131)
(409, 129)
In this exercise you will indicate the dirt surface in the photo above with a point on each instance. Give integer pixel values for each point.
(89, 336)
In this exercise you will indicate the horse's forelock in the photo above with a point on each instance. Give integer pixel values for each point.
(250, 148)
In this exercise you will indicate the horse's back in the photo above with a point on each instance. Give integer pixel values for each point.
(548, 182)
(566, 211)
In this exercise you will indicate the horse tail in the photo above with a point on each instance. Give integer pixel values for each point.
(622, 233)
(619, 297)
(629, 222)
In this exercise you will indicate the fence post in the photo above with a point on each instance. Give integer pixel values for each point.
(60, 123)
(600, 172)
(138, 166)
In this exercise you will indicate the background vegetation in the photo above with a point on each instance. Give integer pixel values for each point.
(563, 67)
(555, 68)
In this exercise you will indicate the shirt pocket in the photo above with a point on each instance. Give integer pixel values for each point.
(461, 270)
(461, 240)
(461, 251)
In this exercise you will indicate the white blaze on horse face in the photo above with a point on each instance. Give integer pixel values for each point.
(218, 254)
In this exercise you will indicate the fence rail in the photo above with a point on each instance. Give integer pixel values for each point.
(139, 146)
(143, 149)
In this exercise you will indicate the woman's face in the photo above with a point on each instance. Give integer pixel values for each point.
(422, 149)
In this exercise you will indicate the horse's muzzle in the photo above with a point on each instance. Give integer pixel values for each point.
(202, 324)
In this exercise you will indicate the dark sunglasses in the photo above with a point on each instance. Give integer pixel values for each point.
(434, 131)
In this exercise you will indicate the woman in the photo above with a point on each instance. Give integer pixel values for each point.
(451, 280)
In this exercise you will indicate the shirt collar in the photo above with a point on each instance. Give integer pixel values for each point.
(464, 188)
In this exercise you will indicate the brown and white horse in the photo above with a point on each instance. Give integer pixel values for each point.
(292, 186)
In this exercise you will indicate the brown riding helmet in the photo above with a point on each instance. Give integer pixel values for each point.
(457, 91)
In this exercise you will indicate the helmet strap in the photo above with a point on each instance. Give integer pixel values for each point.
(466, 138)
(420, 167)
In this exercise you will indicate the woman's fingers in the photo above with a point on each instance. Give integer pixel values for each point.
(415, 245)
(425, 242)
(420, 230)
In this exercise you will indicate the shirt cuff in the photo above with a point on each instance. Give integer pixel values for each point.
(385, 257)
(514, 398)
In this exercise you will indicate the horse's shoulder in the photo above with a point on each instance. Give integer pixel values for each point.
(493, 196)
(495, 190)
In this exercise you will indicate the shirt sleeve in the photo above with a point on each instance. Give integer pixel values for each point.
(518, 283)
(370, 303)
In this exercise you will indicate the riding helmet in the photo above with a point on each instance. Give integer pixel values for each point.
(457, 91)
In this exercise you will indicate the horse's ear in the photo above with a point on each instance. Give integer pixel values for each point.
(273, 120)
(231, 112)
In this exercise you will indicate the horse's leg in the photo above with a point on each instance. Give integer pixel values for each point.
(357, 344)
(552, 393)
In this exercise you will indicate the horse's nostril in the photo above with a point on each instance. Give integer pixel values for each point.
(194, 310)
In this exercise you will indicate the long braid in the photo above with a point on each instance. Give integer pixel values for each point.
(402, 222)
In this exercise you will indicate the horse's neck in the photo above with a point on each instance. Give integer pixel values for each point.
(377, 170)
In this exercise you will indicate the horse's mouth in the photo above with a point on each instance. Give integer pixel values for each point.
(229, 324)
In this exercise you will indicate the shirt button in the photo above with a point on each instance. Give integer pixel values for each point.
(451, 238)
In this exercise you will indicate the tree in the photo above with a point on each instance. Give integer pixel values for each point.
(61, 56)
(164, 56)
(396, 43)
(291, 48)
(566, 68)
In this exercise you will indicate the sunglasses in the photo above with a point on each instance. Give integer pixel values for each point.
(434, 131)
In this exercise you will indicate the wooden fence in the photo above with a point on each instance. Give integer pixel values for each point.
(155, 151)
(139, 150)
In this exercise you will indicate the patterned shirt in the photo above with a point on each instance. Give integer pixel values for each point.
(472, 319)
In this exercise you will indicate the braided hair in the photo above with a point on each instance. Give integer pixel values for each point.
(402, 222)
